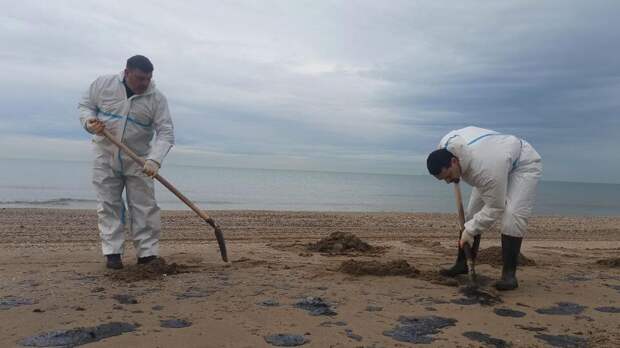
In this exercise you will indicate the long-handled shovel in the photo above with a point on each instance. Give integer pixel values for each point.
(466, 246)
(218, 233)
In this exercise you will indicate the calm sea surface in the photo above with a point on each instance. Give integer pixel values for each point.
(64, 184)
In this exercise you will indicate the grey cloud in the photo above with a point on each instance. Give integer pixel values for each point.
(368, 84)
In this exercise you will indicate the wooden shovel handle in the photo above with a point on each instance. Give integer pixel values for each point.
(173, 189)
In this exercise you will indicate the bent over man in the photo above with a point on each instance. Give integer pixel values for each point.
(135, 112)
(504, 171)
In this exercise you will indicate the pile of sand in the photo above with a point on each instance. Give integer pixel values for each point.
(341, 243)
(154, 270)
(493, 256)
(391, 268)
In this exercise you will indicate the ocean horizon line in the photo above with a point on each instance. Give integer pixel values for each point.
(172, 164)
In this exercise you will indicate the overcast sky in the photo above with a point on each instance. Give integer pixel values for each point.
(362, 86)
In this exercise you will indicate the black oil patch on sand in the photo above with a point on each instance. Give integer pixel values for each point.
(507, 312)
(477, 295)
(608, 309)
(418, 329)
(315, 306)
(286, 340)
(486, 339)
(77, 336)
(175, 323)
(563, 341)
(563, 308)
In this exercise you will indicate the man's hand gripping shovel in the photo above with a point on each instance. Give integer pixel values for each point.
(216, 229)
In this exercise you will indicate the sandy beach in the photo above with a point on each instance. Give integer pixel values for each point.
(54, 279)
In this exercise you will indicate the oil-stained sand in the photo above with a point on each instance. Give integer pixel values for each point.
(377, 268)
(54, 280)
(154, 270)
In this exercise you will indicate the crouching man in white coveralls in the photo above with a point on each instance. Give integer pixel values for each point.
(130, 107)
(504, 172)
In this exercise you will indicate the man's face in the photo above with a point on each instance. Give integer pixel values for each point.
(138, 80)
(452, 173)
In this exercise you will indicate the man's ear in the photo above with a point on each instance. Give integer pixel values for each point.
(454, 161)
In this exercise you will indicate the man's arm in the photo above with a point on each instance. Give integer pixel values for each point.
(88, 106)
(164, 138)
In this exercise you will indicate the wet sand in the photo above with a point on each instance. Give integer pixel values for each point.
(54, 279)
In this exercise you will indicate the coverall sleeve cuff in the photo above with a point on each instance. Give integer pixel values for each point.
(159, 152)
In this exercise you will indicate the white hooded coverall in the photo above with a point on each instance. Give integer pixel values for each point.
(133, 121)
(503, 171)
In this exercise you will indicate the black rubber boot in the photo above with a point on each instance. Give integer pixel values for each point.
(146, 259)
(511, 247)
(460, 266)
(113, 261)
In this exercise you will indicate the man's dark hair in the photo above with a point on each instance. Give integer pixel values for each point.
(141, 63)
(439, 159)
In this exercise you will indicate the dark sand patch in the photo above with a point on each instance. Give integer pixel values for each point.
(614, 262)
(532, 328)
(343, 243)
(376, 268)
(462, 280)
(477, 295)
(577, 278)
(372, 308)
(419, 329)
(608, 309)
(353, 336)
(493, 256)
(245, 262)
(175, 323)
(435, 278)
(432, 245)
(486, 339)
(286, 340)
(333, 323)
(193, 292)
(615, 287)
(564, 341)
(78, 336)
(315, 306)
(507, 312)
(563, 308)
(154, 270)
(269, 303)
(10, 302)
(125, 299)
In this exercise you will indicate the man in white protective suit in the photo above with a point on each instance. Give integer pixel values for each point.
(504, 171)
(136, 113)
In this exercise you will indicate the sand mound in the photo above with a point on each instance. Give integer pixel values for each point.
(341, 243)
(493, 256)
(609, 262)
(153, 270)
(391, 268)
